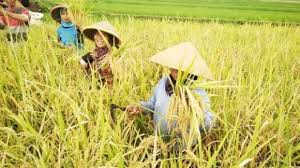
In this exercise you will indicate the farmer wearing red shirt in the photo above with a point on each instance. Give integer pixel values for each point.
(15, 19)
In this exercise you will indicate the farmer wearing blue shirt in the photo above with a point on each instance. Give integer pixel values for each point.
(68, 33)
(186, 66)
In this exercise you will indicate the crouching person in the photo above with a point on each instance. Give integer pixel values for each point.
(105, 37)
(15, 20)
(68, 34)
(178, 111)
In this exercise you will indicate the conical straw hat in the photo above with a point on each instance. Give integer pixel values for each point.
(184, 57)
(104, 27)
(55, 12)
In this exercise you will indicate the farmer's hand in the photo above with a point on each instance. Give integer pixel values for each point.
(134, 110)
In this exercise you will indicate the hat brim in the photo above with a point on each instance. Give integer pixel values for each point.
(55, 12)
(90, 33)
(184, 57)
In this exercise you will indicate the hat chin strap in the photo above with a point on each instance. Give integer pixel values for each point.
(114, 44)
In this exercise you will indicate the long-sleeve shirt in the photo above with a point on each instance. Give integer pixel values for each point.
(159, 104)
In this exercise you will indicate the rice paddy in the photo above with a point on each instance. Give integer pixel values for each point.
(282, 11)
(53, 116)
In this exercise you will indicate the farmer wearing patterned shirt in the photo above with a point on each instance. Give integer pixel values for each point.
(106, 38)
(15, 19)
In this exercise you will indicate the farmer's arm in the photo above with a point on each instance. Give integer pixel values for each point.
(59, 38)
(145, 107)
(24, 16)
(148, 106)
(58, 35)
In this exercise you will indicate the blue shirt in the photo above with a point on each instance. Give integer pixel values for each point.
(159, 104)
(67, 34)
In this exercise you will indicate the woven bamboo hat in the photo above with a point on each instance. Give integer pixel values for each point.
(55, 12)
(104, 27)
(184, 57)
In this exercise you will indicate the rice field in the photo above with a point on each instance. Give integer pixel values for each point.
(52, 116)
(223, 10)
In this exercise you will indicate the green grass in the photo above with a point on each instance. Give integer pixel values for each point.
(243, 10)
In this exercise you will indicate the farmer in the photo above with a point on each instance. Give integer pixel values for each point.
(35, 17)
(15, 19)
(68, 34)
(105, 37)
(181, 59)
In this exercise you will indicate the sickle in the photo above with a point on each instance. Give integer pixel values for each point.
(113, 108)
